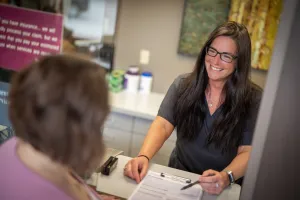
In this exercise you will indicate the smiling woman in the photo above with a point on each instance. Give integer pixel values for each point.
(214, 109)
(220, 67)
(221, 76)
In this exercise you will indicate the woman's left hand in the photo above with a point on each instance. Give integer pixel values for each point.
(214, 182)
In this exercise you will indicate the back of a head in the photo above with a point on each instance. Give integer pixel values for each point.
(58, 105)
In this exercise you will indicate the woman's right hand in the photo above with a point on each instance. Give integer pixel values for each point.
(136, 168)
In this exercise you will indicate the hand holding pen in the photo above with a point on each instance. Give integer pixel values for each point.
(211, 181)
(193, 183)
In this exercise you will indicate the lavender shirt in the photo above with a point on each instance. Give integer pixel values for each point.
(17, 182)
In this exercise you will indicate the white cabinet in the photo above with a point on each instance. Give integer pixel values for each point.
(141, 126)
(119, 121)
(117, 139)
(117, 132)
(127, 133)
(161, 157)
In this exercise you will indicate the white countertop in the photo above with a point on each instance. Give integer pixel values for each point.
(139, 105)
(119, 185)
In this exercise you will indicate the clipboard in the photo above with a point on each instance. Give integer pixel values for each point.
(175, 178)
(157, 186)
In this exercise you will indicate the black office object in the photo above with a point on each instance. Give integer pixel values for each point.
(109, 165)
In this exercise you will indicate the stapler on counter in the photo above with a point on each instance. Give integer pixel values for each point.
(109, 165)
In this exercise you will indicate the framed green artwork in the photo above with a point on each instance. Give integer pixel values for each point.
(200, 18)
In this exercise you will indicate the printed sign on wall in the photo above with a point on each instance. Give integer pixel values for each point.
(27, 34)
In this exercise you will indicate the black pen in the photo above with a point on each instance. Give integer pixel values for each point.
(194, 183)
(190, 185)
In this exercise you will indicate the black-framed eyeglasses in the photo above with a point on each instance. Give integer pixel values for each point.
(226, 57)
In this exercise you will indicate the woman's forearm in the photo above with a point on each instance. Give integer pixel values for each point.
(158, 133)
(239, 164)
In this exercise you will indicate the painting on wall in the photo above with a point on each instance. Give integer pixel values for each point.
(262, 20)
(199, 19)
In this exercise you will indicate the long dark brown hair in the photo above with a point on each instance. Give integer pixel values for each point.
(191, 107)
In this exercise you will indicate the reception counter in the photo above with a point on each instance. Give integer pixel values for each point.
(119, 185)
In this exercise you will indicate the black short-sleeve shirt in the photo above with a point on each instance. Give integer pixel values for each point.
(194, 156)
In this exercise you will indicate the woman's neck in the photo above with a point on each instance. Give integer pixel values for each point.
(216, 87)
(50, 170)
(41, 163)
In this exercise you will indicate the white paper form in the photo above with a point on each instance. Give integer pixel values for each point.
(156, 187)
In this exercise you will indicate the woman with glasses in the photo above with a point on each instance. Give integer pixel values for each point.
(214, 110)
